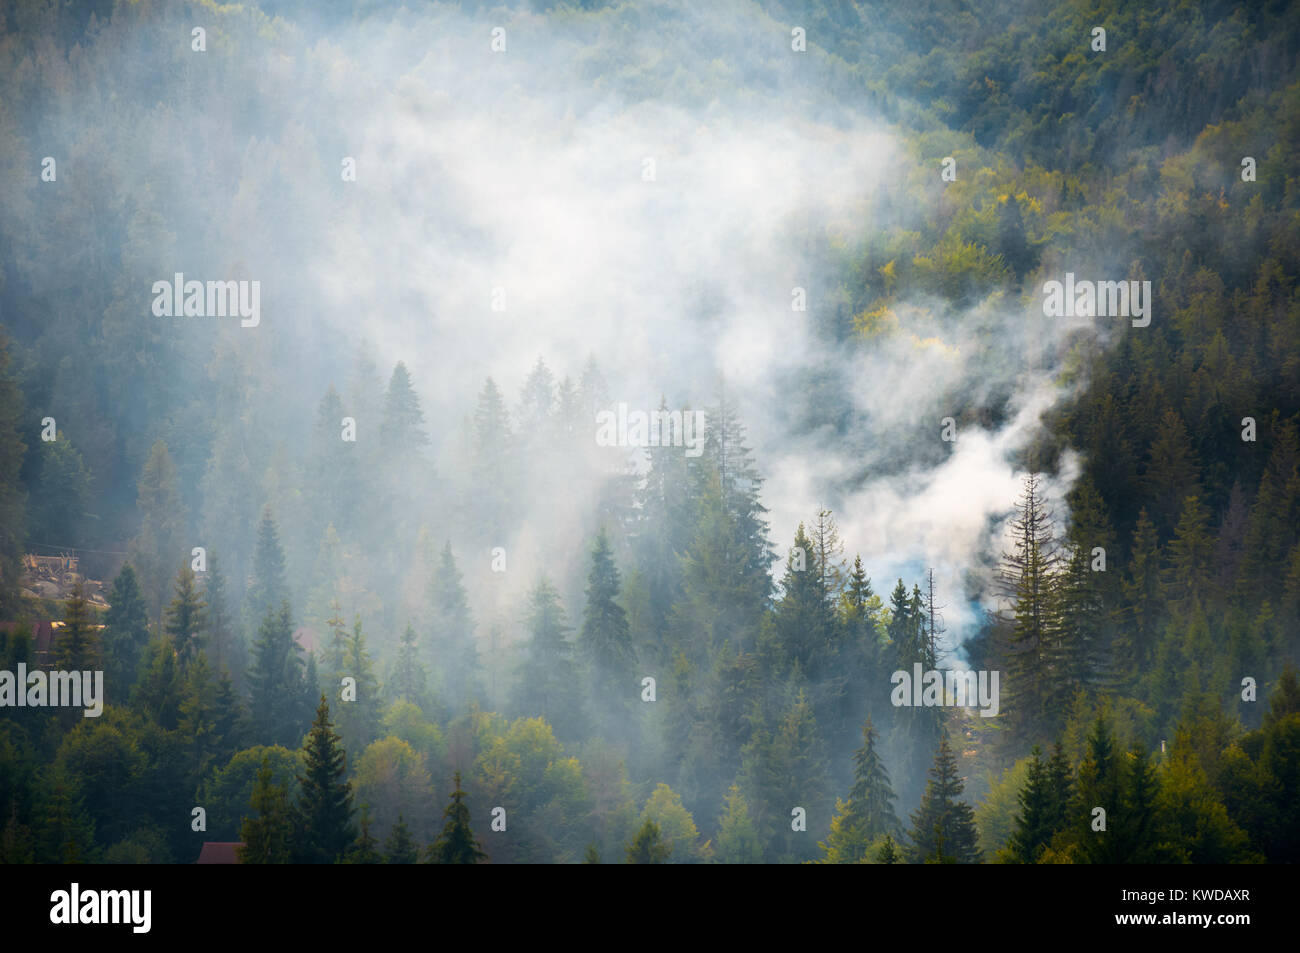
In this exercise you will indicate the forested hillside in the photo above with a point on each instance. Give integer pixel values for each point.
(382, 570)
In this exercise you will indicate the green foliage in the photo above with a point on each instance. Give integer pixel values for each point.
(943, 827)
(647, 847)
(323, 828)
(267, 837)
(456, 844)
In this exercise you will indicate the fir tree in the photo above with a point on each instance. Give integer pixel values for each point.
(550, 685)
(226, 647)
(888, 853)
(269, 589)
(738, 840)
(365, 849)
(869, 812)
(197, 723)
(359, 719)
(267, 837)
(276, 681)
(604, 640)
(323, 817)
(451, 646)
(647, 846)
(403, 422)
(943, 827)
(400, 847)
(456, 844)
(160, 541)
(186, 618)
(76, 647)
(409, 682)
(125, 635)
(1143, 604)
(1028, 576)
(871, 799)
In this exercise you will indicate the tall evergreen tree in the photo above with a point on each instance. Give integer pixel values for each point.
(1143, 604)
(605, 641)
(358, 720)
(943, 827)
(125, 635)
(451, 646)
(365, 849)
(400, 847)
(323, 816)
(456, 844)
(268, 590)
(76, 648)
(403, 422)
(409, 682)
(268, 837)
(1028, 577)
(225, 639)
(869, 812)
(276, 681)
(186, 618)
(549, 685)
(159, 544)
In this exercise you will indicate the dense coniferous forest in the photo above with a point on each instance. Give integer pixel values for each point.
(389, 566)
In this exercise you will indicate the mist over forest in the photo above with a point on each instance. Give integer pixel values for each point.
(570, 432)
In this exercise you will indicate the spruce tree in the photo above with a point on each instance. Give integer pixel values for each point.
(269, 589)
(268, 835)
(365, 849)
(456, 844)
(871, 800)
(1142, 611)
(323, 817)
(943, 827)
(888, 853)
(125, 635)
(402, 427)
(738, 840)
(225, 646)
(450, 647)
(1034, 825)
(647, 847)
(549, 684)
(869, 812)
(186, 618)
(409, 682)
(276, 681)
(1101, 785)
(400, 847)
(604, 641)
(160, 541)
(1028, 576)
(76, 646)
(358, 720)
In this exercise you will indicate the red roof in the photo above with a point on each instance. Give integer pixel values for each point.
(219, 852)
(42, 637)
